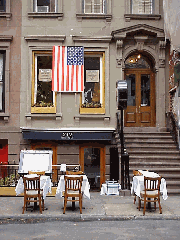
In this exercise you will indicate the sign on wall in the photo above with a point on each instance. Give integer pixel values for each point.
(45, 75)
(92, 75)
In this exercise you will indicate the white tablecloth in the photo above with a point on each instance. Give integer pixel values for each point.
(61, 186)
(138, 184)
(45, 184)
(112, 191)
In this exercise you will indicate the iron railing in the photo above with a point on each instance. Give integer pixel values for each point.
(9, 175)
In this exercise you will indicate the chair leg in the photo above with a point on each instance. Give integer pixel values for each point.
(65, 202)
(134, 199)
(80, 204)
(24, 206)
(144, 206)
(160, 209)
(139, 203)
(40, 207)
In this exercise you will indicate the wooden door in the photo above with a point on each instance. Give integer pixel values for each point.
(92, 161)
(52, 147)
(140, 110)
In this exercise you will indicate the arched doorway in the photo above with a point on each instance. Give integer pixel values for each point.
(140, 78)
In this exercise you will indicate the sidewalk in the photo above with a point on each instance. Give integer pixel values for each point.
(97, 208)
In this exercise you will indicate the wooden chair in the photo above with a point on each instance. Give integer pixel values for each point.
(32, 192)
(73, 190)
(37, 172)
(136, 173)
(151, 192)
(74, 173)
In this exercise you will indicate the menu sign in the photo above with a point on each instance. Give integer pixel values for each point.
(45, 75)
(92, 75)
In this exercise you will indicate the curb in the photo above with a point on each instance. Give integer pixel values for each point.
(81, 218)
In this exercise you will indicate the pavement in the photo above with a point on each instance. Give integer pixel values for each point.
(99, 207)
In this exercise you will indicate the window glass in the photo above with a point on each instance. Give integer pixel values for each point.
(2, 5)
(94, 6)
(145, 90)
(137, 61)
(2, 72)
(131, 82)
(45, 6)
(141, 6)
(43, 95)
(92, 81)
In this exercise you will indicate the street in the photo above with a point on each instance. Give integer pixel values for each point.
(129, 229)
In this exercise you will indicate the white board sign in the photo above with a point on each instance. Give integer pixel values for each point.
(33, 160)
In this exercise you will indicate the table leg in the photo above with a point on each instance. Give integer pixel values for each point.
(73, 203)
(35, 204)
(149, 205)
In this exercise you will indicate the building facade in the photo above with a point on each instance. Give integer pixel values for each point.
(10, 78)
(122, 40)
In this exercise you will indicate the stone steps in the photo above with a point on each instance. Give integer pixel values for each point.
(154, 151)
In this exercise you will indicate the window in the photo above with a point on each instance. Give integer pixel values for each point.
(2, 81)
(141, 6)
(94, 6)
(93, 96)
(45, 6)
(43, 99)
(2, 5)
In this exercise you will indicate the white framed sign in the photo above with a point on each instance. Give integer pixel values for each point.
(35, 160)
(45, 75)
(92, 75)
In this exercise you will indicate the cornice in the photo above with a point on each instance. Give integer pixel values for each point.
(6, 15)
(45, 15)
(91, 38)
(6, 37)
(122, 33)
(129, 17)
(108, 17)
(45, 38)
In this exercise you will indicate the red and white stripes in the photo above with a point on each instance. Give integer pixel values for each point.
(66, 78)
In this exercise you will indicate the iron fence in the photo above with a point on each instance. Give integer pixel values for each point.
(9, 175)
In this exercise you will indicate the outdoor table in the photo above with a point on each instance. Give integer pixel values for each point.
(110, 188)
(45, 185)
(138, 184)
(85, 188)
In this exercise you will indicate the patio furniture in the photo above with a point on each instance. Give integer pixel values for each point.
(136, 173)
(37, 172)
(74, 173)
(32, 192)
(73, 190)
(151, 192)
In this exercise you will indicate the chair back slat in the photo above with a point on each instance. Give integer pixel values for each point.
(151, 184)
(73, 183)
(31, 183)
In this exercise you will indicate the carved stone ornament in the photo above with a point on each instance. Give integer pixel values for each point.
(162, 46)
(119, 47)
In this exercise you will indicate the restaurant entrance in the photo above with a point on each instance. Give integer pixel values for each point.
(92, 161)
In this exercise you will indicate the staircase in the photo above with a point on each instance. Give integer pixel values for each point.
(157, 152)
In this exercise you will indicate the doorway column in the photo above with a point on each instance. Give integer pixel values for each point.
(160, 87)
(119, 58)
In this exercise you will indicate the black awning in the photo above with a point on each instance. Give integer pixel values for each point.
(68, 135)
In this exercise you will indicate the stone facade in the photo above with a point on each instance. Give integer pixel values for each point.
(10, 47)
(115, 35)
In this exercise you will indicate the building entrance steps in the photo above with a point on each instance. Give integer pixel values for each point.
(155, 151)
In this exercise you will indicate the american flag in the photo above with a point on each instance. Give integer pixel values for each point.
(68, 69)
